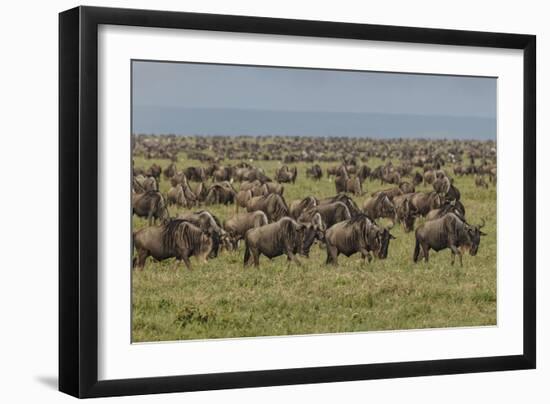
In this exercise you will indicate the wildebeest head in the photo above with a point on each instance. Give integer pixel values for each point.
(474, 235)
(315, 230)
(384, 236)
(206, 245)
(384, 206)
(408, 215)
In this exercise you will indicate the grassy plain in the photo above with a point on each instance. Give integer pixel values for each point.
(221, 299)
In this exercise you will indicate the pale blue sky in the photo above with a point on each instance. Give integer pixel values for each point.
(209, 99)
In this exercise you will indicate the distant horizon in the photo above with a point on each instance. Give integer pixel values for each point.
(189, 99)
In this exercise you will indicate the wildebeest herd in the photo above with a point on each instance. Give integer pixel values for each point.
(237, 190)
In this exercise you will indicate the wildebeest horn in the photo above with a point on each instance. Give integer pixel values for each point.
(482, 223)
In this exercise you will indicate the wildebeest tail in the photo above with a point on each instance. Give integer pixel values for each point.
(246, 251)
(416, 250)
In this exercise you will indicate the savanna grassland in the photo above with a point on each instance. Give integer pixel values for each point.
(222, 299)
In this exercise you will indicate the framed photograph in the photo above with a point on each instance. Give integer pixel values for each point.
(251, 201)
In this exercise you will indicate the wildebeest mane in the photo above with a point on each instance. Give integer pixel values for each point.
(180, 232)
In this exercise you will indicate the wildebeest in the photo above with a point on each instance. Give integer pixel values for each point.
(358, 234)
(424, 202)
(285, 236)
(177, 238)
(441, 185)
(480, 182)
(222, 173)
(273, 205)
(298, 206)
(255, 187)
(315, 229)
(405, 213)
(285, 174)
(390, 193)
(154, 171)
(150, 205)
(417, 179)
(176, 196)
(331, 213)
(145, 184)
(453, 206)
(379, 206)
(350, 203)
(220, 193)
(237, 225)
(274, 188)
(406, 187)
(209, 224)
(196, 174)
(315, 172)
(448, 231)
(170, 171)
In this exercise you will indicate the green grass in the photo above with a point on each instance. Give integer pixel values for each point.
(222, 299)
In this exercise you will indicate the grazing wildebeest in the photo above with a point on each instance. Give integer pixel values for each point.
(298, 206)
(390, 177)
(273, 205)
(176, 196)
(379, 207)
(237, 225)
(350, 203)
(358, 234)
(424, 202)
(316, 228)
(315, 172)
(211, 225)
(285, 236)
(220, 193)
(196, 174)
(448, 231)
(480, 182)
(285, 174)
(177, 238)
(331, 213)
(150, 205)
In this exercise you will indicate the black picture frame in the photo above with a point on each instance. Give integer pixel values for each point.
(78, 201)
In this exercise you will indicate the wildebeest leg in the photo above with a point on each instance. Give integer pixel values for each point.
(366, 255)
(142, 255)
(187, 262)
(425, 251)
(256, 256)
(332, 254)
